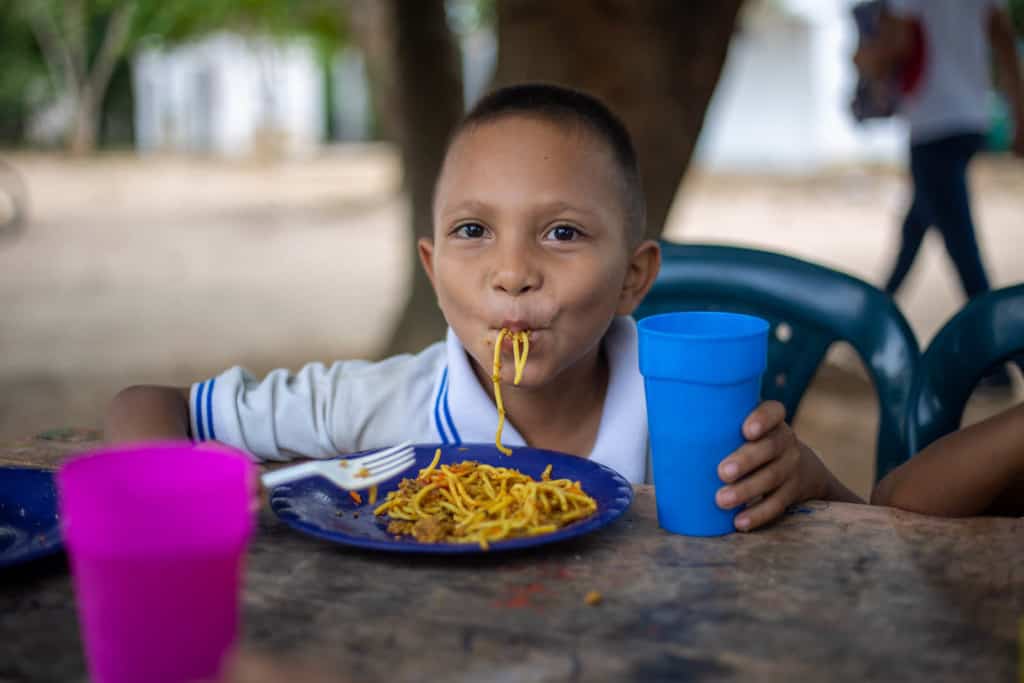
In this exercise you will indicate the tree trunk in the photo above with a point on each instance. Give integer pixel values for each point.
(416, 73)
(84, 126)
(654, 62)
(67, 54)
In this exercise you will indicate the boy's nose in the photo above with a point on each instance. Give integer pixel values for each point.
(515, 275)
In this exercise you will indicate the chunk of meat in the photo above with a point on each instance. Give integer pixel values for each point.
(431, 529)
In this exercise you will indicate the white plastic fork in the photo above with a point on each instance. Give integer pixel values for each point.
(351, 474)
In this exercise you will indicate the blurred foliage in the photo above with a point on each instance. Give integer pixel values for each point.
(171, 21)
(1017, 12)
(28, 82)
(23, 80)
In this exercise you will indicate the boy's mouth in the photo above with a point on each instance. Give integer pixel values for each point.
(518, 325)
(533, 335)
(506, 342)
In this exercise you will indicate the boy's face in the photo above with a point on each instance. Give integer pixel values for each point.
(530, 233)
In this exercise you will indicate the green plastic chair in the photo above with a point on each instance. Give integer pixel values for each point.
(809, 308)
(987, 331)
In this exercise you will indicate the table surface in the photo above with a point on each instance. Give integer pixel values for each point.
(831, 592)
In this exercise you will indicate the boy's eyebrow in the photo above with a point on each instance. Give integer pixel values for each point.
(474, 206)
(560, 205)
(471, 206)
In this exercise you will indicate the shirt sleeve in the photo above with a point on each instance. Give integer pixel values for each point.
(319, 411)
(275, 418)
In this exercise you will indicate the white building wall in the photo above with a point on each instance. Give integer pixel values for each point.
(222, 94)
(353, 115)
(148, 100)
(236, 99)
(782, 103)
(301, 110)
(762, 111)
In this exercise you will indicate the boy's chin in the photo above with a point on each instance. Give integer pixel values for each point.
(528, 381)
(532, 378)
(536, 377)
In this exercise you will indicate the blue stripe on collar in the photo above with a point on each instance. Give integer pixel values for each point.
(209, 410)
(437, 408)
(198, 410)
(448, 416)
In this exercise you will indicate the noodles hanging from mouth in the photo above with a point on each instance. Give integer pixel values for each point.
(471, 502)
(519, 360)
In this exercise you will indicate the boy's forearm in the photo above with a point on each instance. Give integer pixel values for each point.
(962, 474)
(827, 486)
(835, 490)
(148, 412)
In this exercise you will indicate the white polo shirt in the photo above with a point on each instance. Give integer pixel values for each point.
(432, 397)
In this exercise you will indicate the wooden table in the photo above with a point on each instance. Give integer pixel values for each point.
(832, 592)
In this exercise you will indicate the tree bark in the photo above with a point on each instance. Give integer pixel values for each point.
(654, 62)
(67, 57)
(414, 65)
(85, 124)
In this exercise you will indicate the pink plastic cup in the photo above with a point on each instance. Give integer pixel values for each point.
(156, 534)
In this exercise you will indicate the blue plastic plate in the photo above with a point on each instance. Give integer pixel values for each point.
(315, 506)
(28, 515)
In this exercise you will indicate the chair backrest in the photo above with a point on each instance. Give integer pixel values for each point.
(988, 330)
(809, 308)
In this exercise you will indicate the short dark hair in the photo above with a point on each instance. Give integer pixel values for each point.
(562, 105)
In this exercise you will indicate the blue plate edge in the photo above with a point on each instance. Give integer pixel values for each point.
(54, 544)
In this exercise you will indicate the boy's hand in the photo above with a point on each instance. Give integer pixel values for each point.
(771, 471)
(146, 413)
(869, 61)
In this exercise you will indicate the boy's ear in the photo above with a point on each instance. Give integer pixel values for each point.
(643, 269)
(425, 247)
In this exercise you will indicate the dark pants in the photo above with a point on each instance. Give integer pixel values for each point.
(941, 199)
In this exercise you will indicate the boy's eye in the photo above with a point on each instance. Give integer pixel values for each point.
(471, 231)
(564, 233)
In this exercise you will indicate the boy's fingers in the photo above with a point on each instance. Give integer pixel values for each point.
(751, 456)
(765, 418)
(748, 458)
(762, 481)
(768, 509)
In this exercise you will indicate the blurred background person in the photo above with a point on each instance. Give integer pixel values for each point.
(940, 50)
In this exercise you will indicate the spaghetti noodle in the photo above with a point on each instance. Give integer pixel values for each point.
(471, 502)
(519, 360)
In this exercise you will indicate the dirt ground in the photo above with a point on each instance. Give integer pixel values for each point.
(167, 270)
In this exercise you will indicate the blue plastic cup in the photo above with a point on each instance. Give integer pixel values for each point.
(702, 378)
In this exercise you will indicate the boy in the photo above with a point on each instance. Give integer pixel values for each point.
(538, 226)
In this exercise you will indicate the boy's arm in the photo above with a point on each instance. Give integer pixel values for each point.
(879, 57)
(144, 413)
(968, 472)
(1004, 48)
(830, 487)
